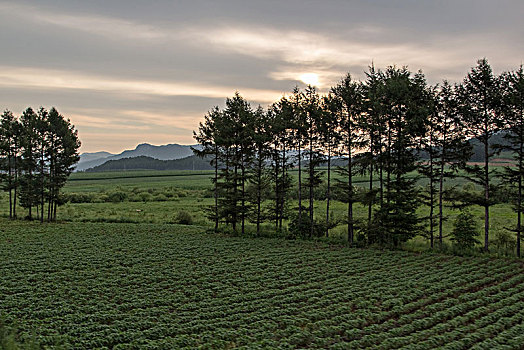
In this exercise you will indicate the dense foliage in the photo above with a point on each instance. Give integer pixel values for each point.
(386, 127)
(38, 152)
(159, 286)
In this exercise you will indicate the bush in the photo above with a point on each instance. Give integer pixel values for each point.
(504, 242)
(465, 231)
(303, 229)
(160, 198)
(117, 196)
(184, 218)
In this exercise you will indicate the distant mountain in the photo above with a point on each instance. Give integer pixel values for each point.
(164, 152)
(148, 163)
(87, 157)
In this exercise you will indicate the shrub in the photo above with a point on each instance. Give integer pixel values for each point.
(464, 230)
(504, 242)
(184, 218)
(160, 197)
(303, 229)
(117, 196)
(145, 196)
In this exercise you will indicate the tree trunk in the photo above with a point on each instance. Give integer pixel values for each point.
(243, 212)
(235, 199)
(440, 199)
(328, 194)
(311, 182)
(486, 192)
(371, 161)
(277, 189)
(519, 199)
(259, 189)
(350, 190)
(282, 194)
(42, 190)
(15, 191)
(431, 191)
(299, 185)
(10, 184)
(216, 188)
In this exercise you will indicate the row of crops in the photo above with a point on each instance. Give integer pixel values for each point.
(167, 286)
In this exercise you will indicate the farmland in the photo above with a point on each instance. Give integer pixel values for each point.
(103, 285)
(158, 196)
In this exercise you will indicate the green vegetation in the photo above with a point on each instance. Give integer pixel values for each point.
(120, 286)
(148, 163)
(38, 152)
(388, 127)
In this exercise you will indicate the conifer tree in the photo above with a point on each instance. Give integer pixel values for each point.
(479, 96)
(313, 115)
(371, 124)
(208, 138)
(29, 184)
(61, 154)
(10, 153)
(349, 99)
(451, 146)
(281, 126)
(260, 178)
(330, 137)
(405, 102)
(513, 110)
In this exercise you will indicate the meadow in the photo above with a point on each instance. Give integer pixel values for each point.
(159, 196)
(149, 286)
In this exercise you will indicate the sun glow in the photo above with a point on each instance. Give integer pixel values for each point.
(310, 79)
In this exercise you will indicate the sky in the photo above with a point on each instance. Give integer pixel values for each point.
(127, 72)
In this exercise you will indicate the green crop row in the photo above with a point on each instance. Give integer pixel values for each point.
(134, 286)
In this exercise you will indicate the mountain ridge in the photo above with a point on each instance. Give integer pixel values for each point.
(162, 152)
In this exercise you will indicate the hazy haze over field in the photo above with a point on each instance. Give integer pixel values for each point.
(128, 72)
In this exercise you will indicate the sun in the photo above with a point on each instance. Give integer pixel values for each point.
(310, 79)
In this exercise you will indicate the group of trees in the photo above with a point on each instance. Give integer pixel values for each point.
(38, 151)
(388, 127)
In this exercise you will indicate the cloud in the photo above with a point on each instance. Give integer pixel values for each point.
(35, 78)
(96, 24)
(329, 56)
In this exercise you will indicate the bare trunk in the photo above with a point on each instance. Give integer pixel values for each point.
(328, 194)
(243, 213)
(431, 192)
(299, 185)
(350, 190)
(370, 204)
(282, 194)
(486, 192)
(10, 181)
(259, 190)
(311, 174)
(216, 189)
(519, 199)
(440, 201)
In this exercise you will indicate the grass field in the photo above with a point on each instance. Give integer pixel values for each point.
(136, 286)
(158, 197)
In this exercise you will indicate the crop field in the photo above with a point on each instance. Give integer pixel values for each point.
(103, 285)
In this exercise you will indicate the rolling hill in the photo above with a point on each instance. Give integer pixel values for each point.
(163, 152)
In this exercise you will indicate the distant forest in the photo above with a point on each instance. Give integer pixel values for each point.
(198, 163)
(388, 126)
(149, 163)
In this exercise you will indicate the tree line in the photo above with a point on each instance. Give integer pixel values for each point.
(387, 127)
(38, 152)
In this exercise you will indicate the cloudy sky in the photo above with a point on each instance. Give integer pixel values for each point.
(127, 72)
